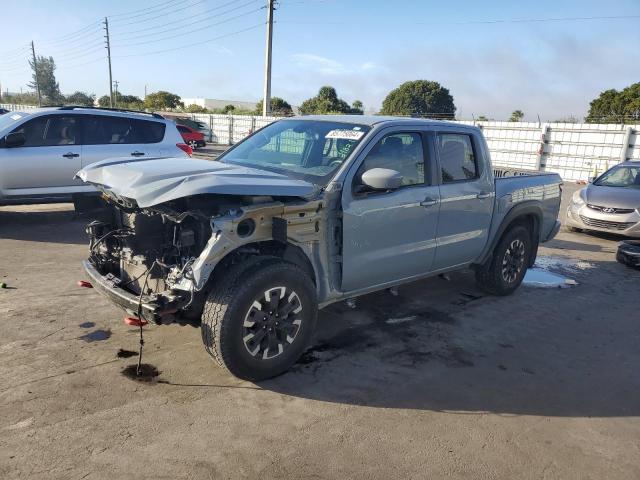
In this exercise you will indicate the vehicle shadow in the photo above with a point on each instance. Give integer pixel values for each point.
(42, 223)
(440, 346)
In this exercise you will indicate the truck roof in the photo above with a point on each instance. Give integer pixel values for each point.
(371, 120)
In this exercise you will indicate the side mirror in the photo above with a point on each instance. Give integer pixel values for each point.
(382, 179)
(16, 139)
(592, 179)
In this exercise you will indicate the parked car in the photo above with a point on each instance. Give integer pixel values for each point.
(610, 204)
(191, 137)
(201, 127)
(3, 111)
(41, 150)
(303, 213)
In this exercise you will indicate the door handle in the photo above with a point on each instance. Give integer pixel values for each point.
(483, 195)
(71, 155)
(137, 154)
(428, 202)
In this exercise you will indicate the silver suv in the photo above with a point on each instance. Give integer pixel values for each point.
(41, 150)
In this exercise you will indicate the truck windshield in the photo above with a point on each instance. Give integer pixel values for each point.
(620, 177)
(302, 149)
(10, 118)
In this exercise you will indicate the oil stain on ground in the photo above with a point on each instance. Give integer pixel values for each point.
(96, 336)
(87, 325)
(122, 353)
(148, 373)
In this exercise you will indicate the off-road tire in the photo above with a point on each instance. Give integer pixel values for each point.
(491, 277)
(229, 302)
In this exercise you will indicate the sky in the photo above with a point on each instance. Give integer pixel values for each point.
(491, 60)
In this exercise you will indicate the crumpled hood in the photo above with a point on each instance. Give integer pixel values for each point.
(616, 197)
(158, 180)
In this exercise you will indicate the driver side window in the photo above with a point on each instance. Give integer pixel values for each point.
(401, 152)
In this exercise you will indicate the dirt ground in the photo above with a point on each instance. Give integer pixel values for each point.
(440, 381)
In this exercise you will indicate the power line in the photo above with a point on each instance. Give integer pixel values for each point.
(483, 22)
(164, 14)
(181, 47)
(181, 34)
(142, 9)
(188, 19)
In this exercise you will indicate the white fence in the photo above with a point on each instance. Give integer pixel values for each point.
(574, 150)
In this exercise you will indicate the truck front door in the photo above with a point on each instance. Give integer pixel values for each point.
(390, 235)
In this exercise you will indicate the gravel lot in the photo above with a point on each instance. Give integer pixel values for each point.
(440, 381)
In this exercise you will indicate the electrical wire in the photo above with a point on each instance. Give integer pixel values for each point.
(181, 34)
(192, 44)
(190, 20)
(164, 14)
(147, 10)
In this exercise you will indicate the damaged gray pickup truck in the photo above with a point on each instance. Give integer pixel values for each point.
(303, 213)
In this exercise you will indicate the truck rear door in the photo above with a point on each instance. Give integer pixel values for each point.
(466, 198)
(390, 235)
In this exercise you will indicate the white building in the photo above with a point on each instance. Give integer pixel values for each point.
(212, 103)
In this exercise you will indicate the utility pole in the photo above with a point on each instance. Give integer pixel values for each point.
(115, 98)
(266, 101)
(145, 91)
(35, 69)
(106, 29)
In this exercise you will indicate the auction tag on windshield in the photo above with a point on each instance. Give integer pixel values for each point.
(346, 134)
(16, 117)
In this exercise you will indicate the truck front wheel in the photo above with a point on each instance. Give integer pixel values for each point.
(504, 273)
(257, 322)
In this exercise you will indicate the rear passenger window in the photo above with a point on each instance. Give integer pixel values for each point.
(401, 152)
(50, 131)
(457, 160)
(105, 130)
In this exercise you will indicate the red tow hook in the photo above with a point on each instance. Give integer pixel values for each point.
(84, 284)
(135, 322)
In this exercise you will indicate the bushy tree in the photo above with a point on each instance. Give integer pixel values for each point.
(421, 98)
(357, 107)
(162, 100)
(326, 101)
(80, 98)
(28, 98)
(613, 106)
(516, 116)
(279, 107)
(122, 101)
(482, 118)
(44, 76)
(193, 108)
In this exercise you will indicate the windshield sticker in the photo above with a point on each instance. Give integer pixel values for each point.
(346, 134)
(15, 116)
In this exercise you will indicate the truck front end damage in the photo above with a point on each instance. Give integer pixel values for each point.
(156, 262)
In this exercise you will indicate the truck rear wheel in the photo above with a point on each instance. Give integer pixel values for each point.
(504, 273)
(257, 321)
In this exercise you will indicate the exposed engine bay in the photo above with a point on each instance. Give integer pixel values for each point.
(164, 254)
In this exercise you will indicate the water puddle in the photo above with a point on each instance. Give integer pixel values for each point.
(537, 277)
(96, 336)
(148, 372)
(87, 325)
(548, 272)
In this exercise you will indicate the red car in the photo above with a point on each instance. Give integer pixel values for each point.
(191, 137)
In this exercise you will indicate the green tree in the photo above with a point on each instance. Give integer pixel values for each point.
(80, 98)
(482, 118)
(193, 108)
(28, 98)
(326, 101)
(613, 106)
(422, 98)
(516, 116)
(279, 107)
(357, 107)
(122, 101)
(162, 100)
(228, 109)
(44, 77)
